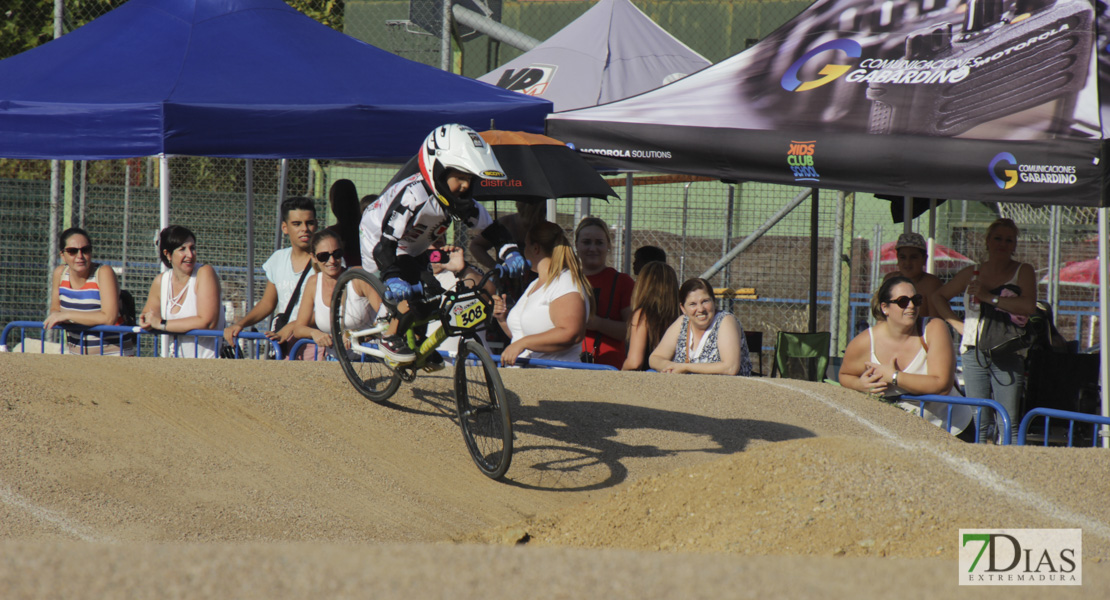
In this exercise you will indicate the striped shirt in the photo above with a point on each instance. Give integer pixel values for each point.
(83, 299)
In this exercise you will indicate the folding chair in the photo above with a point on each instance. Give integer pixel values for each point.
(802, 355)
(755, 347)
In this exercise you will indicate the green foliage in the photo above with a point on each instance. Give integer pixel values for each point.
(328, 12)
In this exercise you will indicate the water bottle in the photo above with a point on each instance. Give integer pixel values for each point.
(972, 301)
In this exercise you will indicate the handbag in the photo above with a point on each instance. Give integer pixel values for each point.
(283, 319)
(998, 335)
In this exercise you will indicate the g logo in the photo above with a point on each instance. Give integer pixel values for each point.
(790, 81)
(1011, 174)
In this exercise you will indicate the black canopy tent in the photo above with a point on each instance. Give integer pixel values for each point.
(901, 98)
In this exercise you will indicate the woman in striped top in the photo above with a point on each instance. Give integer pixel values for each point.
(83, 292)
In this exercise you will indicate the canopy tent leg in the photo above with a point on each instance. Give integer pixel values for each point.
(814, 214)
(1104, 315)
(834, 288)
(280, 198)
(249, 175)
(626, 259)
(163, 222)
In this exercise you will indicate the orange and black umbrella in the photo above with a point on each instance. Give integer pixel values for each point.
(538, 167)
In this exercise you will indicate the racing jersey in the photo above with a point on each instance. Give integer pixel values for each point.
(406, 219)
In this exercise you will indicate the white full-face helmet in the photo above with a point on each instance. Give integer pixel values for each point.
(457, 147)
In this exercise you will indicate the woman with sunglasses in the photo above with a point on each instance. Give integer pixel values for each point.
(904, 353)
(83, 292)
(314, 318)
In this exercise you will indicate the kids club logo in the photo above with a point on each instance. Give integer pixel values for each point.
(831, 71)
(800, 160)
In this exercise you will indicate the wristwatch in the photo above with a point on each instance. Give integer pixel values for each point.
(894, 378)
(994, 300)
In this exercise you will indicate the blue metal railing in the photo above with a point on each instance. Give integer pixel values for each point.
(1069, 416)
(556, 364)
(117, 334)
(980, 403)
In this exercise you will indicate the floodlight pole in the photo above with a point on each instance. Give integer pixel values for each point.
(445, 38)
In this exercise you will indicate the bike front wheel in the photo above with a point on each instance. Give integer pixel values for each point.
(351, 312)
(483, 410)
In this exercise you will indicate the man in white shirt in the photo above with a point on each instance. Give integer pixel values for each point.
(284, 269)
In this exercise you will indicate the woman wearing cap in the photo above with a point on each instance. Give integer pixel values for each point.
(912, 251)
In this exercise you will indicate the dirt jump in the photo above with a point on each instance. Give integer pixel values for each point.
(141, 478)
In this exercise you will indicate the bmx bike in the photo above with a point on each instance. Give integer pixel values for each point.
(463, 311)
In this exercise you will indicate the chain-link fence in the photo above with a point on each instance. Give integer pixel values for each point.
(694, 220)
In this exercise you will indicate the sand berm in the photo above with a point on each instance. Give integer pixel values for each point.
(148, 478)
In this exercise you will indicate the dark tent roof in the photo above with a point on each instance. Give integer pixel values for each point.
(238, 78)
(881, 97)
(611, 52)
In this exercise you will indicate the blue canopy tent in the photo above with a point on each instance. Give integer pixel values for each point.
(233, 78)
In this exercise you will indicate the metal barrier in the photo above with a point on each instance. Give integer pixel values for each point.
(1070, 417)
(108, 332)
(556, 364)
(980, 403)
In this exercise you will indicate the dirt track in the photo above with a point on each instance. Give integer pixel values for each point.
(141, 477)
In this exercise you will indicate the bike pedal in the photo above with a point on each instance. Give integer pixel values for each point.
(433, 367)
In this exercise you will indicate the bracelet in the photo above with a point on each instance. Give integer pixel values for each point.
(894, 378)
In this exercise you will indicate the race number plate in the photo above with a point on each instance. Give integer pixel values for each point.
(468, 313)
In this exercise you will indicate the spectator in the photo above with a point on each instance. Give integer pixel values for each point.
(702, 340)
(549, 320)
(904, 353)
(314, 318)
(654, 308)
(344, 202)
(85, 293)
(912, 252)
(644, 255)
(184, 298)
(1001, 378)
(512, 227)
(612, 295)
(399, 228)
(286, 271)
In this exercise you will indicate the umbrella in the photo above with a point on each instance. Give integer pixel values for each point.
(897, 206)
(946, 259)
(538, 168)
(1081, 273)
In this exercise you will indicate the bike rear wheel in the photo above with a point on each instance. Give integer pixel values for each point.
(370, 375)
(483, 410)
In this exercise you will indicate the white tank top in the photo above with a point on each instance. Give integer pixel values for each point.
(186, 300)
(935, 412)
(357, 313)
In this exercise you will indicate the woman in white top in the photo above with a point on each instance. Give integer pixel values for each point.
(549, 319)
(314, 318)
(904, 353)
(1001, 378)
(184, 298)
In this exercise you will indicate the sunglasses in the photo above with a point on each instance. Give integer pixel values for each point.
(82, 250)
(904, 301)
(323, 256)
